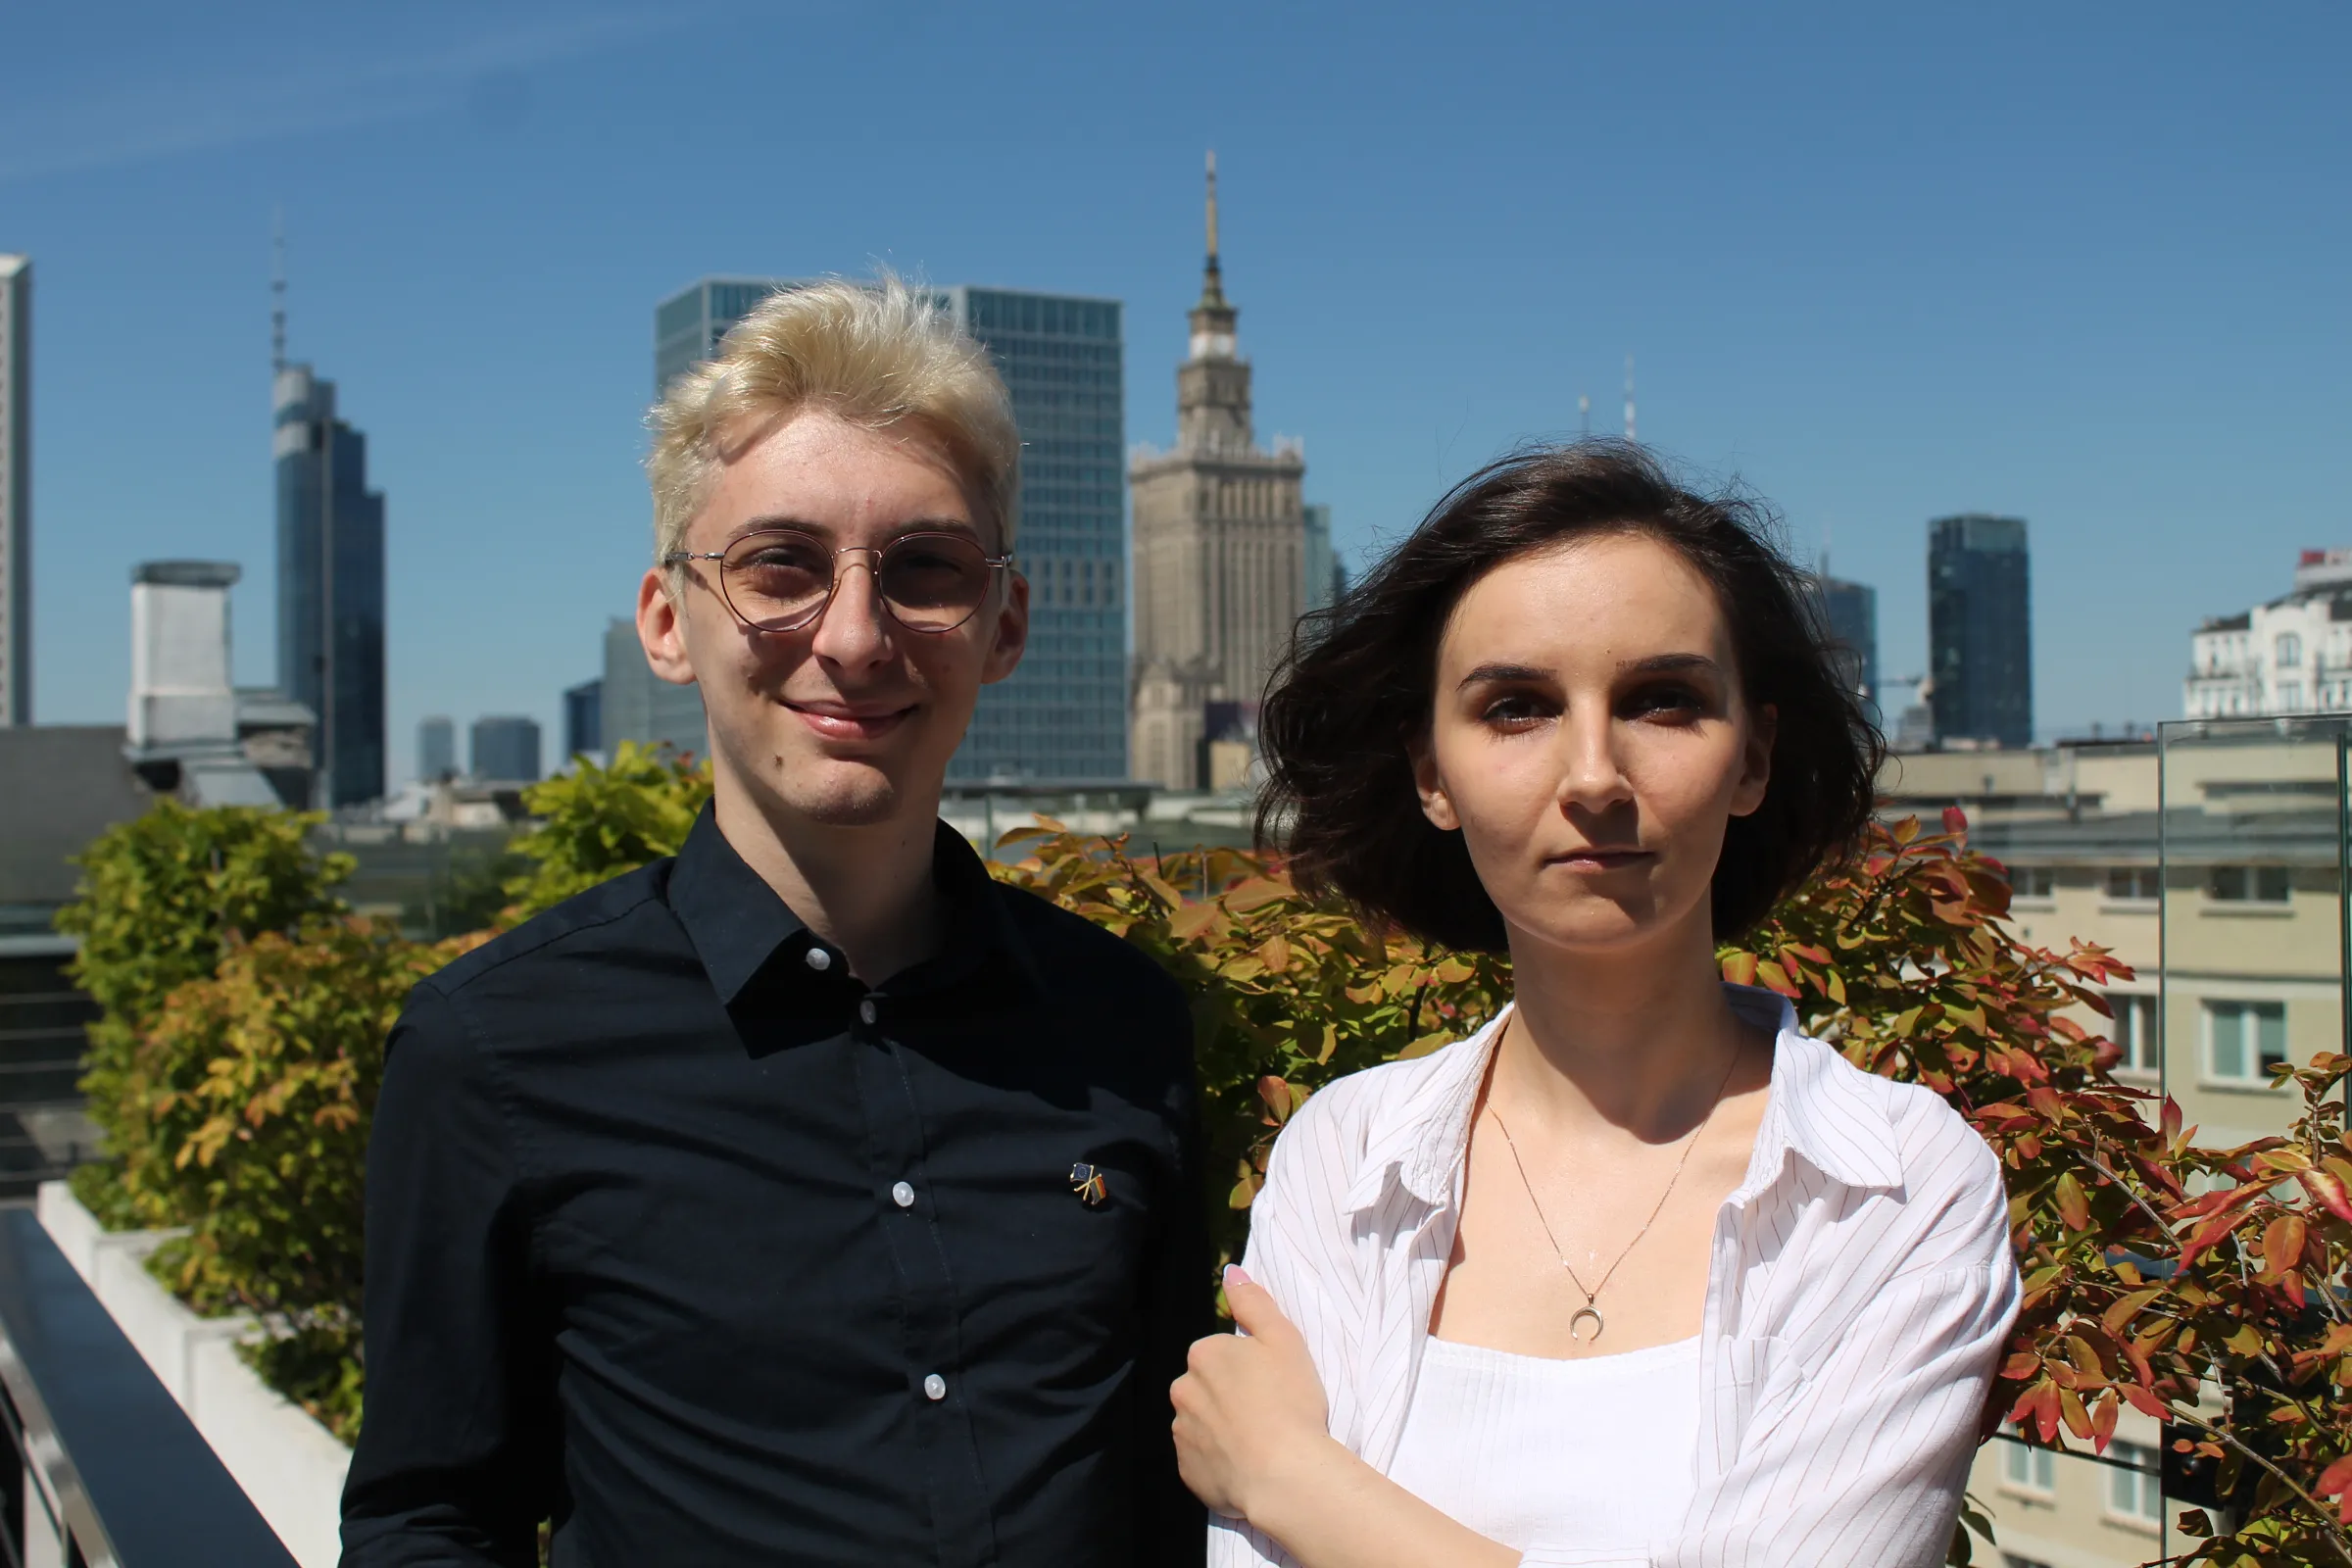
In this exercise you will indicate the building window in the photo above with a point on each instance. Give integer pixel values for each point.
(2138, 884)
(2290, 695)
(2248, 884)
(2134, 1030)
(2033, 882)
(2136, 1493)
(2244, 1037)
(2029, 1469)
(2289, 649)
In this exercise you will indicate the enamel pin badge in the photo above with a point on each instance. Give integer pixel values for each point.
(1087, 1182)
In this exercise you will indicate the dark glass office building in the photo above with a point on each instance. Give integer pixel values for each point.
(1849, 616)
(330, 586)
(1980, 630)
(506, 747)
(583, 718)
(1063, 713)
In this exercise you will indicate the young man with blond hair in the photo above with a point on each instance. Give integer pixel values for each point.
(809, 1196)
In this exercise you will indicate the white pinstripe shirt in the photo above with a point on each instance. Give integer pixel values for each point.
(1859, 1292)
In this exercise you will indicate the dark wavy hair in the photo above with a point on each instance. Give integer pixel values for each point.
(1354, 693)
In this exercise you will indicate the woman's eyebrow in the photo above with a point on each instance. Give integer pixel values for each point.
(1671, 663)
(1503, 672)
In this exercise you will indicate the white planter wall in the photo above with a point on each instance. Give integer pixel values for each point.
(289, 1465)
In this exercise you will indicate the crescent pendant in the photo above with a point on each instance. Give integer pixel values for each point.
(1582, 1313)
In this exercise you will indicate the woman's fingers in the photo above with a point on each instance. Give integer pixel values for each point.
(1255, 1314)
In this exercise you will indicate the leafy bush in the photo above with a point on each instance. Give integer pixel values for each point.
(161, 898)
(595, 822)
(270, 1139)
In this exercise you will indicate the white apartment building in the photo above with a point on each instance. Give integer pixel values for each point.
(2290, 656)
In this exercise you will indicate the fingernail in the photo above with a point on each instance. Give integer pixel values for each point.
(1233, 1276)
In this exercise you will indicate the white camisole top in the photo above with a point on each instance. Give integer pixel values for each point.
(1534, 1453)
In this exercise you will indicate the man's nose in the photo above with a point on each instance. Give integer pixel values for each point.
(854, 628)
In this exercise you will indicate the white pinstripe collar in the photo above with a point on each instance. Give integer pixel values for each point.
(1821, 1108)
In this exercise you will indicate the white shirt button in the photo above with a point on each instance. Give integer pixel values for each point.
(820, 960)
(866, 1012)
(902, 1195)
(935, 1387)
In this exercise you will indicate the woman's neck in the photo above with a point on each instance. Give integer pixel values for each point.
(1641, 1040)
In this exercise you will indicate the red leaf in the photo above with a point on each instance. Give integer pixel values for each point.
(2323, 1186)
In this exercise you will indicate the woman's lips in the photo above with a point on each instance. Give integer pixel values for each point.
(1602, 859)
(838, 722)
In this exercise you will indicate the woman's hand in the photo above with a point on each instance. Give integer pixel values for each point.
(1250, 1411)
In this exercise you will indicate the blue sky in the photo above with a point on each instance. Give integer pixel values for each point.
(2086, 264)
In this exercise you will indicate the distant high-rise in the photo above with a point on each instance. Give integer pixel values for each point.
(330, 585)
(1326, 578)
(1221, 547)
(584, 720)
(1062, 714)
(436, 749)
(15, 490)
(633, 704)
(506, 747)
(1980, 630)
(1850, 614)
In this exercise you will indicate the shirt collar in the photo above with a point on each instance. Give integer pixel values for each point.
(1820, 1109)
(739, 925)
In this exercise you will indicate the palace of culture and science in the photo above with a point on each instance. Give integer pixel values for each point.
(1220, 561)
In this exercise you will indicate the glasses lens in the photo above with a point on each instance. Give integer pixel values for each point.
(934, 582)
(776, 580)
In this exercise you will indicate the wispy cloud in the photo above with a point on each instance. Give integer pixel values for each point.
(164, 115)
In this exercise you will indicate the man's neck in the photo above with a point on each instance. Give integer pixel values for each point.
(865, 890)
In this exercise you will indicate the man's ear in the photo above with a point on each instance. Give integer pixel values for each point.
(1755, 761)
(1436, 804)
(1011, 636)
(661, 627)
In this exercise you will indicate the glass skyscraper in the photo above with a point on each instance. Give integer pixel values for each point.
(1850, 614)
(1062, 714)
(1980, 630)
(330, 586)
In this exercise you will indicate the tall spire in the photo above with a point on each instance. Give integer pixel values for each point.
(277, 290)
(1214, 317)
(1212, 278)
(1629, 399)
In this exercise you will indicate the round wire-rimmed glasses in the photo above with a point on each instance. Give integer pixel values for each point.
(781, 579)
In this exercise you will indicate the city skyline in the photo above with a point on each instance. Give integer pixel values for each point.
(1921, 314)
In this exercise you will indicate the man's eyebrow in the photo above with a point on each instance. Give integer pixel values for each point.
(803, 526)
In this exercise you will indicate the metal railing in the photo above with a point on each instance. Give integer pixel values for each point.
(107, 1471)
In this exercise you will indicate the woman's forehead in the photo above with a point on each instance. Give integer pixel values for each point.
(1624, 597)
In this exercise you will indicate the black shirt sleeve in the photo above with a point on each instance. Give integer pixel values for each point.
(1172, 1528)
(456, 1458)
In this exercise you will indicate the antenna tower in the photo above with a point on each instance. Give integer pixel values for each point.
(277, 290)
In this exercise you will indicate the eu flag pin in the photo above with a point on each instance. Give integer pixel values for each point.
(1087, 1183)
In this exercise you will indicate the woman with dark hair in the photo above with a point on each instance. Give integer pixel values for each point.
(1638, 1274)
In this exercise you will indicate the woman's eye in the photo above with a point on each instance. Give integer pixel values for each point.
(1669, 701)
(1516, 709)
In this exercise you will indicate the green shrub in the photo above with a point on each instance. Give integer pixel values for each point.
(159, 899)
(595, 822)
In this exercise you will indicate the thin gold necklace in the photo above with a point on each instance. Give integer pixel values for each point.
(1589, 1310)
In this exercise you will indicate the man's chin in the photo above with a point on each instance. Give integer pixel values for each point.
(843, 794)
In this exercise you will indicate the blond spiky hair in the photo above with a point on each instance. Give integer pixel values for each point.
(877, 354)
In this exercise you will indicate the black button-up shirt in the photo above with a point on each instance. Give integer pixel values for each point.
(682, 1237)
